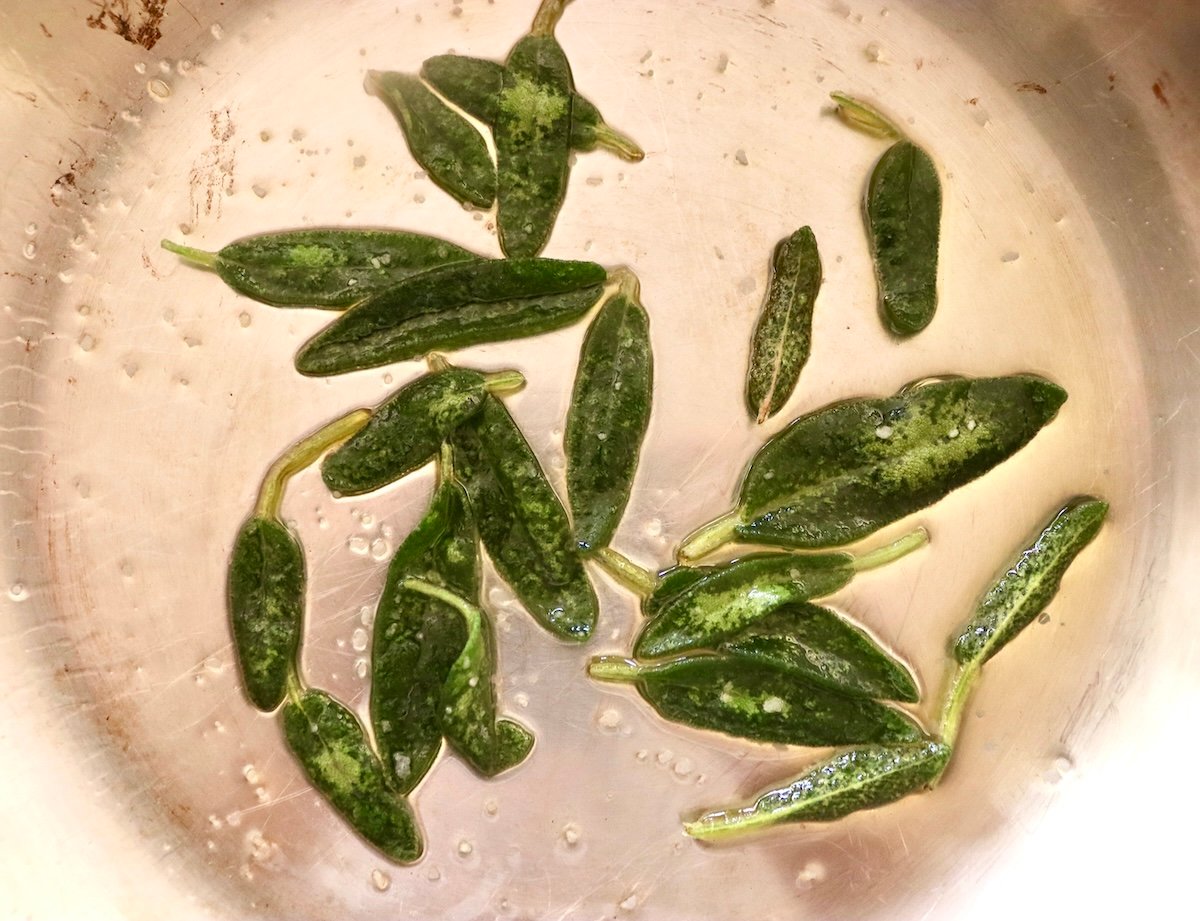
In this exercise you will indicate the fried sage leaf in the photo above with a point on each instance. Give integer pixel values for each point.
(327, 267)
(445, 144)
(266, 604)
(903, 213)
(475, 85)
(469, 720)
(418, 638)
(705, 612)
(815, 642)
(842, 472)
(1029, 582)
(522, 523)
(756, 700)
(407, 430)
(608, 416)
(532, 131)
(266, 578)
(782, 339)
(332, 747)
(454, 307)
(850, 781)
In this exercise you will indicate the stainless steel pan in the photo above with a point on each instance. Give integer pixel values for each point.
(141, 402)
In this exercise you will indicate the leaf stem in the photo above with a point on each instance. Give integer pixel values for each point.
(961, 686)
(625, 571)
(708, 538)
(504, 382)
(303, 453)
(881, 556)
(460, 604)
(547, 16)
(614, 668)
(866, 118)
(622, 145)
(199, 257)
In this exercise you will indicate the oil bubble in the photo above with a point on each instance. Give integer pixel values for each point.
(811, 874)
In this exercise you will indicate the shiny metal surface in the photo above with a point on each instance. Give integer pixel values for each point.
(142, 401)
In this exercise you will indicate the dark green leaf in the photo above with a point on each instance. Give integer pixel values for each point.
(903, 214)
(755, 700)
(452, 308)
(533, 143)
(332, 747)
(1030, 582)
(266, 604)
(405, 432)
(523, 524)
(783, 338)
(444, 143)
(850, 781)
(730, 597)
(608, 416)
(817, 644)
(417, 639)
(329, 267)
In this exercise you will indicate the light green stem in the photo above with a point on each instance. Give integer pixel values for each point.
(708, 538)
(460, 604)
(625, 571)
(547, 16)
(199, 257)
(295, 684)
(881, 556)
(300, 455)
(857, 114)
(955, 704)
(503, 382)
(445, 463)
(622, 145)
(614, 668)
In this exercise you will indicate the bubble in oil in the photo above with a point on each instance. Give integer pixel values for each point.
(87, 342)
(358, 546)
(380, 880)
(811, 874)
(29, 250)
(358, 639)
(380, 549)
(465, 848)
(683, 767)
(1010, 256)
(609, 719)
(491, 808)
(18, 592)
(250, 772)
(433, 874)
(571, 834)
(31, 229)
(159, 89)
(1044, 617)
(216, 31)
(629, 903)
(360, 668)
(244, 319)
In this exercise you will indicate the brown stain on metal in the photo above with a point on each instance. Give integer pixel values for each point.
(137, 21)
(212, 176)
(1160, 94)
(1028, 86)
